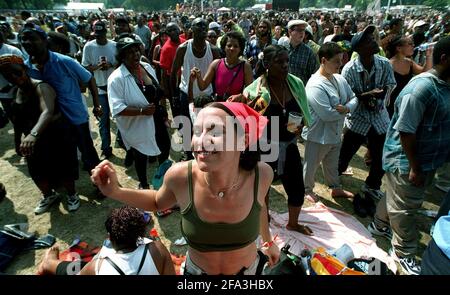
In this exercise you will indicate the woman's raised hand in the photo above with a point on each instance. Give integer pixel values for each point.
(104, 176)
(237, 98)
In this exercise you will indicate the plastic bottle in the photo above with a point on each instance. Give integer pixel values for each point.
(425, 46)
(305, 256)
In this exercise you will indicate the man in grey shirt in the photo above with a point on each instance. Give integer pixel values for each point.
(142, 30)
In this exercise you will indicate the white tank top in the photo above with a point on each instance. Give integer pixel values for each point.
(189, 62)
(127, 262)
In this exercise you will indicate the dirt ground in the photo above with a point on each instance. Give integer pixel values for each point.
(88, 222)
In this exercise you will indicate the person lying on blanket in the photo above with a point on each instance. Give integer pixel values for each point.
(124, 253)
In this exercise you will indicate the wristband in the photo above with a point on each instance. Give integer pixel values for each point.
(267, 245)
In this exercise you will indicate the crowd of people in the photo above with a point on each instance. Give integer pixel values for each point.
(381, 81)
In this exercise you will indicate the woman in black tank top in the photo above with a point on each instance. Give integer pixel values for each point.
(400, 51)
(47, 144)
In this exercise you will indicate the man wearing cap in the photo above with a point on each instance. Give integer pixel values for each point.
(65, 75)
(302, 60)
(7, 90)
(214, 26)
(99, 57)
(371, 78)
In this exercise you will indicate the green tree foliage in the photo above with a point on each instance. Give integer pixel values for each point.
(30, 4)
(437, 4)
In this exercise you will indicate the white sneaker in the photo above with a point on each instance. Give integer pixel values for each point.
(375, 194)
(73, 202)
(45, 203)
(409, 265)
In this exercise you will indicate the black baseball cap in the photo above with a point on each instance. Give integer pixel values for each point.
(358, 37)
(99, 28)
(126, 40)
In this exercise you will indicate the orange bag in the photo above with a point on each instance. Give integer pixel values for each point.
(323, 263)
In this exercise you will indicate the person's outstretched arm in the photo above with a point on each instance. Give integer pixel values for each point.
(104, 176)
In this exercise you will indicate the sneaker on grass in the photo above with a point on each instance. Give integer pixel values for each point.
(45, 203)
(73, 202)
(409, 265)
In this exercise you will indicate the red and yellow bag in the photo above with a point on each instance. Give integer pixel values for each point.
(323, 263)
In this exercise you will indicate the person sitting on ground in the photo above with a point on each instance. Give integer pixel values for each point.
(221, 193)
(125, 252)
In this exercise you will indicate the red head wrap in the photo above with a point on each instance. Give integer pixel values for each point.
(251, 121)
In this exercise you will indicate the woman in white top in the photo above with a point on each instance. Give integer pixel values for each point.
(133, 93)
(330, 98)
(124, 253)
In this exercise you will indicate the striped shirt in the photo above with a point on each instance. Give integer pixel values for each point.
(380, 76)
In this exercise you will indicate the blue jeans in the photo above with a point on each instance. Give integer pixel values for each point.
(105, 123)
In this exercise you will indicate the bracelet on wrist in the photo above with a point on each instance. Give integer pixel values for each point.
(269, 244)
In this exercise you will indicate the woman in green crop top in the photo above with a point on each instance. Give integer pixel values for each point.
(221, 194)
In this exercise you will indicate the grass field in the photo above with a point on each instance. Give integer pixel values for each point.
(88, 221)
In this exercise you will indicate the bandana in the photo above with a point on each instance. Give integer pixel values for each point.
(253, 128)
(8, 59)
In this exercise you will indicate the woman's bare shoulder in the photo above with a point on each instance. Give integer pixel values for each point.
(177, 173)
(265, 172)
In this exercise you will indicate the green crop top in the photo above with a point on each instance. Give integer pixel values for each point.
(208, 237)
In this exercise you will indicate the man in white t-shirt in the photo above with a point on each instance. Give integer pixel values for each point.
(6, 89)
(99, 57)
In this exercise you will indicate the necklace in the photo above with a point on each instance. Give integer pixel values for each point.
(221, 193)
(282, 104)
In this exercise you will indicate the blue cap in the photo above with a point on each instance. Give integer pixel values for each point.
(30, 27)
